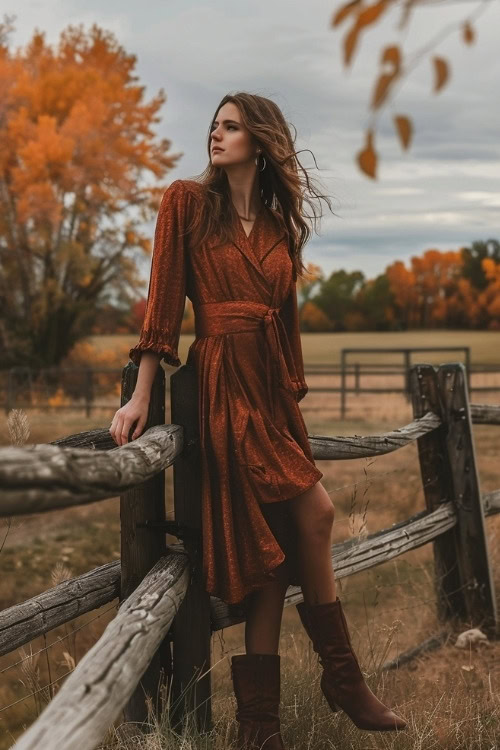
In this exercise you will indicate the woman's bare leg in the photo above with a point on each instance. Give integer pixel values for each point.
(263, 623)
(314, 512)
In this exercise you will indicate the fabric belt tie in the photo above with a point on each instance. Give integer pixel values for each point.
(239, 316)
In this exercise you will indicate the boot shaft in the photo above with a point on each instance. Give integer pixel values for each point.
(256, 683)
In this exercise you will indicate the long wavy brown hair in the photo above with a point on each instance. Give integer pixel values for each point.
(284, 183)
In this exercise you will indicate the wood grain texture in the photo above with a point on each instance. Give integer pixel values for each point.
(485, 413)
(24, 622)
(38, 478)
(472, 554)
(93, 695)
(142, 547)
(374, 445)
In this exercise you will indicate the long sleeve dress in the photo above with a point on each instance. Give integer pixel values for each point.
(248, 359)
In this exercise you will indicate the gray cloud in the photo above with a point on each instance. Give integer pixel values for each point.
(442, 193)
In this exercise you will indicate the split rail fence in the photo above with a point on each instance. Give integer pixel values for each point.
(162, 630)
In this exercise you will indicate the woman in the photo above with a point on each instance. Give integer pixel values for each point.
(232, 242)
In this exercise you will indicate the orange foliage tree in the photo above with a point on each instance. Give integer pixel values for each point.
(307, 284)
(432, 292)
(77, 153)
(313, 319)
(489, 299)
(395, 65)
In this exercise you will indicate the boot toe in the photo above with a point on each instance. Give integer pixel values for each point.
(387, 722)
(397, 721)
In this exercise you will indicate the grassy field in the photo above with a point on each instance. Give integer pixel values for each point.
(326, 347)
(450, 697)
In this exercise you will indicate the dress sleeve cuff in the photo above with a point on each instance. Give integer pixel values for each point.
(154, 341)
(301, 391)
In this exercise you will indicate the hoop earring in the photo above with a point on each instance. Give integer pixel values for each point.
(257, 162)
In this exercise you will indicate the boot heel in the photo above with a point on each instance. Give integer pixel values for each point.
(342, 676)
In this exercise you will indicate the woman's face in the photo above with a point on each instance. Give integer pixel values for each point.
(230, 135)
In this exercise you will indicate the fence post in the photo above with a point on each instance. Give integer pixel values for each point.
(342, 385)
(141, 547)
(472, 543)
(407, 386)
(463, 581)
(89, 391)
(192, 624)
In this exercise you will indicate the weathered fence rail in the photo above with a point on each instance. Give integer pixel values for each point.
(160, 588)
(94, 694)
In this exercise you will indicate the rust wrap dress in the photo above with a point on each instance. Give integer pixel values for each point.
(248, 359)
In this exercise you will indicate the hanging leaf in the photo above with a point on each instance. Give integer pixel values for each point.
(382, 89)
(367, 158)
(392, 55)
(468, 33)
(442, 73)
(344, 12)
(350, 42)
(404, 129)
(370, 14)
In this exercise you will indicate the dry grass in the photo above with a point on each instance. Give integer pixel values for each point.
(450, 697)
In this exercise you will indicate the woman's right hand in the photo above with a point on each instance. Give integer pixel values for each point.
(134, 411)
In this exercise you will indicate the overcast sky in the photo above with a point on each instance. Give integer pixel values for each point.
(443, 193)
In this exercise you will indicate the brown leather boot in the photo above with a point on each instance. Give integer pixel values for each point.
(342, 681)
(256, 682)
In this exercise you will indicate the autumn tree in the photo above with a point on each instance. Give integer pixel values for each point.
(433, 291)
(375, 301)
(313, 319)
(337, 296)
(80, 172)
(402, 286)
(395, 63)
(473, 257)
(489, 298)
(307, 284)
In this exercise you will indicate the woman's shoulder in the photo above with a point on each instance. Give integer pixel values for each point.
(184, 193)
(186, 186)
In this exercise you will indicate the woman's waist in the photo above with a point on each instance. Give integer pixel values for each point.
(231, 316)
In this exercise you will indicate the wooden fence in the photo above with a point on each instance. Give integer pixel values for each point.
(81, 388)
(162, 599)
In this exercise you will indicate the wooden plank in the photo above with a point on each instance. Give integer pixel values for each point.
(471, 543)
(191, 629)
(141, 548)
(76, 596)
(93, 695)
(45, 477)
(491, 503)
(98, 439)
(355, 555)
(485, 413)
(324, 447)
(38, 478)
(430, 644)
(25, 621)
(436, 480)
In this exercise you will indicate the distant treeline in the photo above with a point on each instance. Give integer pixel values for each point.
(451, 289)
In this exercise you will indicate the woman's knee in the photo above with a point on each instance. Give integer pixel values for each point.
(324, 517)
(316, 514)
